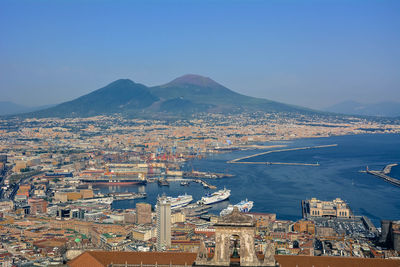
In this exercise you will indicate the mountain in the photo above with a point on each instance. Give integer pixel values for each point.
(120, 96)
(203, 90)
(381, 109)
(7, 107)
(180, 106)
(182, 97)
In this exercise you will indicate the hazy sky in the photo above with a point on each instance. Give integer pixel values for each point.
(310, 53)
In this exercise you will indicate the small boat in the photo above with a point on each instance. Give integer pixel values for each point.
(163, 182)
(184, 183)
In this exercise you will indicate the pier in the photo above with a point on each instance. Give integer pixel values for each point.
(199, 181)
(206, 175)
(385, 177)
(383, 174)
(278, 163)
(205, 184)
(260, 146)
(239, 160)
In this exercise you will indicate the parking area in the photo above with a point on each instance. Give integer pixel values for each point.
(353, 227)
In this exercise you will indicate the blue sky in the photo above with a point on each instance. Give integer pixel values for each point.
(310, 53)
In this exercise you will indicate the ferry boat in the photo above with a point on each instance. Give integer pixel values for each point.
(243, 206)
(101, 200)
(215, 197)
(179, 201)
(128, 195)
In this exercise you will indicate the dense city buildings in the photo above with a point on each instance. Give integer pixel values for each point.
(60, 178)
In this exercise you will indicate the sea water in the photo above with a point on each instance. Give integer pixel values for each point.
(280, 188)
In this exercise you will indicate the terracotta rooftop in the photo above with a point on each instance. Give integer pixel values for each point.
(323, 261)
(104, 258)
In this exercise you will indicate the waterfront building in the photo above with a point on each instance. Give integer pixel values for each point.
(318, 208)
(163, 223)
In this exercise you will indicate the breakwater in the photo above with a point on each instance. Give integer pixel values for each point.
(240, 160)
(383, 174)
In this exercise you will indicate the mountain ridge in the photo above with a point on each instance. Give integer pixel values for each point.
(182, 97)
(379, 109)
(9, 108)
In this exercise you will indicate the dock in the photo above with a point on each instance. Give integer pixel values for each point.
(278, 163)
(199, 181)
(239, 160)
(205, 184)
(205, 175)
(383, 174)
(260, 146)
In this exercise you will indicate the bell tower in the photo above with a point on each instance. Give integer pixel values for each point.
(241, 229)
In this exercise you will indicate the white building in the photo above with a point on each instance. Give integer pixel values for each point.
(163, 223)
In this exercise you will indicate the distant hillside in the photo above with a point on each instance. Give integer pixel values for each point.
(7, 107)
(203, 90)
(120, 96)
(382, 109)
(182, 97)
(181, 105)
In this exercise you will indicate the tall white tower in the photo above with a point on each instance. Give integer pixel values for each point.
(163, 223)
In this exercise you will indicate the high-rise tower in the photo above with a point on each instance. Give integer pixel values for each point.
(163, 223)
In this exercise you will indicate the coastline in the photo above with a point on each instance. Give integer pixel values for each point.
(279, 189)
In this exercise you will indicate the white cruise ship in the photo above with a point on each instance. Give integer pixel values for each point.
(243, 206)
(102, 200)
(180, 201)
(215, 197)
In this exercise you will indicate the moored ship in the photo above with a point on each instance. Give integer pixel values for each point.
(243, 206)
(102, 200)
(179, 201)
(215, 197)
(114, 180)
